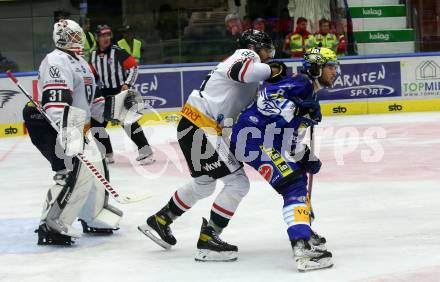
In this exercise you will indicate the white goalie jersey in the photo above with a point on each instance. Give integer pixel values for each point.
(66, 79)
(227, 90)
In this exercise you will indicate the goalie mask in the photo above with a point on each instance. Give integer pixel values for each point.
(68, 35)
(125, 107)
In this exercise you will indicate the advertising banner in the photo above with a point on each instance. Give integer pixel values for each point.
(12, 100)
(192, 80)
(421, 77)
(160, 90)
(366, 80)
(365, 85)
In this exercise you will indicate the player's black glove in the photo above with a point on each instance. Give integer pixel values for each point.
(279, 71)
(309, 162)
(309, 107)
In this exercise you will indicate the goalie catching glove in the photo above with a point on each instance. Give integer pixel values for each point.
(125, 107)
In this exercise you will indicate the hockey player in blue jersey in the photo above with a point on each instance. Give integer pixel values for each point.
(268, 137)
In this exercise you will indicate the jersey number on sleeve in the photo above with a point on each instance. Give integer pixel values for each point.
(55, 95)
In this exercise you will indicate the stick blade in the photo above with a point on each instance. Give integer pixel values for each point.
(130, 198)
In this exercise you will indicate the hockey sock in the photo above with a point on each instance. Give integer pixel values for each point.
(219, 217)
(217, 228)
(176, 207)
(296, 214)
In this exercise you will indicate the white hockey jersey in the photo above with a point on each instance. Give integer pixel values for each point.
(226, 91)
(67, 79)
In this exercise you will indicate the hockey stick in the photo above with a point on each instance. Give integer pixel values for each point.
(310, 186)
(312, 152)
(122, 199)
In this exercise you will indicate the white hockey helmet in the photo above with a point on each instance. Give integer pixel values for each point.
(68, 35)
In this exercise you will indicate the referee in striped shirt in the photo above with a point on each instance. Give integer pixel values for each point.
(117, 71)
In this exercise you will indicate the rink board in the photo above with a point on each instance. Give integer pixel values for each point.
(367, 85)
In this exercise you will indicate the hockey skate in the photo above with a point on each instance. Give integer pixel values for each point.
(96, 231)
(158, 229)
(48, 237)
(308, 258)
(317, 241)
(145, 156)
(211, 248)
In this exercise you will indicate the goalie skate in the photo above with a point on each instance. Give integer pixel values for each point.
(48, 237)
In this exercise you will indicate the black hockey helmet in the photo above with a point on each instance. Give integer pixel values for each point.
(102, 30)
(255, 39)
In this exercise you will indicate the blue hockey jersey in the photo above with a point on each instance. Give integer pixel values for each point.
(276, 109)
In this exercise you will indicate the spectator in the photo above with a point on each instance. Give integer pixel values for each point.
(130, 44)
(89, 40)
(247, 23)
(342, 46)
(325, 37)
(233, 25)
(232, 33)
(300, 40)
(260, 24)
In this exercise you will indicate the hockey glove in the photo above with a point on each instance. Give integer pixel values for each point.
(309, 107)
(307, 160)
(279, 71)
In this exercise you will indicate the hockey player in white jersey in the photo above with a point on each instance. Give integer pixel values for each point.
(67, 88)
(227, 90)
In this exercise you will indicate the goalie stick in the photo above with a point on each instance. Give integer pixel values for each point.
(120, 198)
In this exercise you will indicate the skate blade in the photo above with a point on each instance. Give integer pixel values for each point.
(208, 255)
(146, 161)
(323, 264)
(147, 231)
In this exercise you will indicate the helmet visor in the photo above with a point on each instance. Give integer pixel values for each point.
(334, 64)
(270, 48)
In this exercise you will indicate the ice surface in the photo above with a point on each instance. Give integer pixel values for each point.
(381, 219)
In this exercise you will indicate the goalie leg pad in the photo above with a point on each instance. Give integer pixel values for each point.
(96, 212)
(61, 204)
(71, 199)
